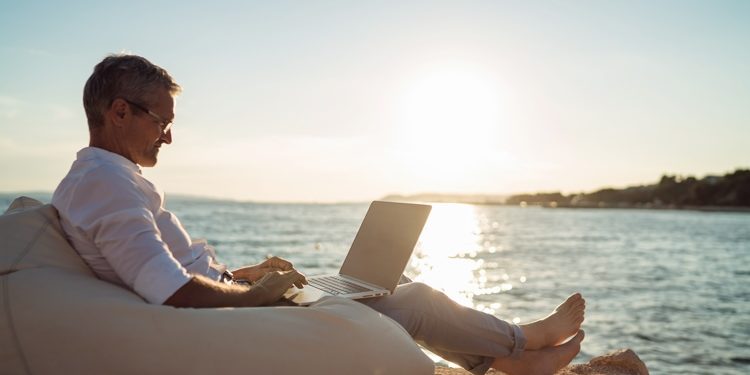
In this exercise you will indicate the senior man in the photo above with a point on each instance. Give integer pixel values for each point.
(115, 219)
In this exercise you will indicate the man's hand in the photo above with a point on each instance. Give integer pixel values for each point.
(201, 291)
(271, 287)
(273, 264)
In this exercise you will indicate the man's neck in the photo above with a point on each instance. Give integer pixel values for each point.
(101, 138)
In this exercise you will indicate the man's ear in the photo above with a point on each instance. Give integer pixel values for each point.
(119, 112)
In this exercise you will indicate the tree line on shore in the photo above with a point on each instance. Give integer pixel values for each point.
(729, 190)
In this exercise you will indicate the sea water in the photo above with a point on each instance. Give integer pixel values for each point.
(674, 286)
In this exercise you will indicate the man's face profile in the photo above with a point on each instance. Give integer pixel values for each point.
(142, 136)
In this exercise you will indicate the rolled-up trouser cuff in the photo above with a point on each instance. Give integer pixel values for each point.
(519, 344)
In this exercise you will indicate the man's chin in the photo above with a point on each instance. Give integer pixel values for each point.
(152, 160)
(149, 162)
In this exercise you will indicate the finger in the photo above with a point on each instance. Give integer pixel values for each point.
(299, 273)
(267, 263)
(291, 274)
(285, 279)
(298, 282)
(294, 276)
(282, 263)
(301, 280)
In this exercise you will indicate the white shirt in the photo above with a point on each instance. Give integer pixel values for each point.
(115, 218)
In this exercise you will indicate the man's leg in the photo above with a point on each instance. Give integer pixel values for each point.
(470, 338)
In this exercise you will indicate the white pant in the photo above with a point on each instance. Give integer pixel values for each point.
(470, 338)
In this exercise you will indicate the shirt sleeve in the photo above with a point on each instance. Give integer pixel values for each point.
(117, 214)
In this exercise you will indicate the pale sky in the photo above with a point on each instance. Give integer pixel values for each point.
(349, 100)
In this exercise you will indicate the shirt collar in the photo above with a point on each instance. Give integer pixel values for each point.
(88, 153)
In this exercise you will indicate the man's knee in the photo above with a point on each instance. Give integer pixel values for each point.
(415, 287)
(420, 293)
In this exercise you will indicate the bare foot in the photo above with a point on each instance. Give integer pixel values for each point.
(562, 323)
(541, 362)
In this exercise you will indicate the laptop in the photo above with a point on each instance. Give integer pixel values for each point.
(377, 258)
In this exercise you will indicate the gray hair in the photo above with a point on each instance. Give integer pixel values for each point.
(124, 76)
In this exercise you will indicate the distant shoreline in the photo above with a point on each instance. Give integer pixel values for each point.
(727, 193)
(553, 205)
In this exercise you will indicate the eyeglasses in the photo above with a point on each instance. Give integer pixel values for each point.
(164, 124)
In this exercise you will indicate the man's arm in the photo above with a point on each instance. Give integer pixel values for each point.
(204, 292)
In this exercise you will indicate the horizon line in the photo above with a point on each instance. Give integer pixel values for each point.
(453, 194)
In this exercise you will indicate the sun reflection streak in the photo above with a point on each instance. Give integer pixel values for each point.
(445, 255)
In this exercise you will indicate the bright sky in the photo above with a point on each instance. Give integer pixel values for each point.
(351, 100)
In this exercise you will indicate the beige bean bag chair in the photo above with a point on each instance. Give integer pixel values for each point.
(56, 317)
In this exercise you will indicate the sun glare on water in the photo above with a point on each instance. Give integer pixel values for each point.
(444, 257)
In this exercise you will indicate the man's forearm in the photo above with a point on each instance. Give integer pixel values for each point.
(203, 292)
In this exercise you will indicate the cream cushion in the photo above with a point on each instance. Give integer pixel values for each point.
(56, 317)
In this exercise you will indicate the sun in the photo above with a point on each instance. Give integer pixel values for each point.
(448, 119)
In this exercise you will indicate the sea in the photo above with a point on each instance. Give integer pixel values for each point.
(672, 285)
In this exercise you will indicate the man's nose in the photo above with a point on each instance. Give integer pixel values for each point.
(166, 137)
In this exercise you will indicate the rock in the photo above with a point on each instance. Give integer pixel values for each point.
(620, 362)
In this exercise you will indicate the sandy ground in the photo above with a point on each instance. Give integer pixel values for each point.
(621, 362)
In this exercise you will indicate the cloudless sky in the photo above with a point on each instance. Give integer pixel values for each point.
(353, 100)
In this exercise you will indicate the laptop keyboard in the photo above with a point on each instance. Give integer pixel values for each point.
(336, 285)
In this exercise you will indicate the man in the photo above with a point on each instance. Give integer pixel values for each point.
(115, 219)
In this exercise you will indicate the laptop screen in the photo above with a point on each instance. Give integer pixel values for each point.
(385, 242)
